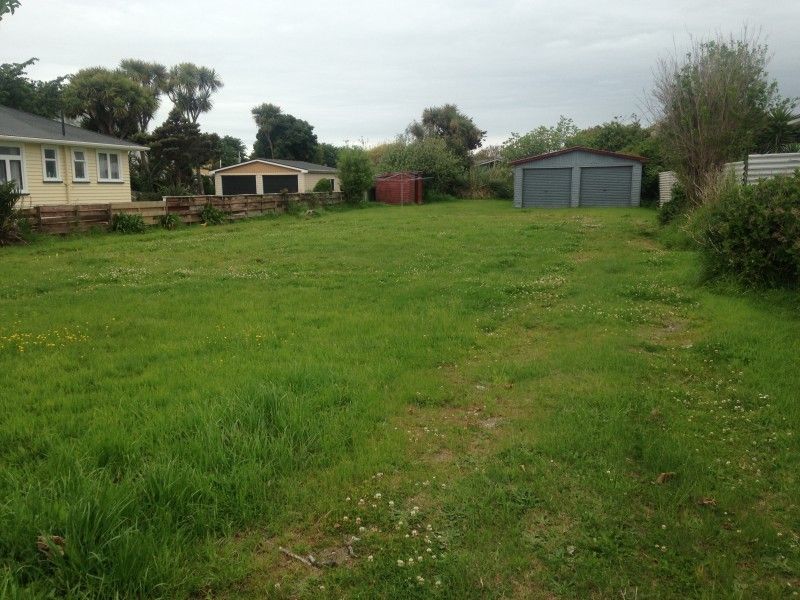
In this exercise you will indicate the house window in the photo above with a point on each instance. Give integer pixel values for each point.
(79, 166)
(108, 167)
(50, 164)
(11, 166)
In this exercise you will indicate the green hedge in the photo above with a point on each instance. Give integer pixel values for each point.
(752, 232)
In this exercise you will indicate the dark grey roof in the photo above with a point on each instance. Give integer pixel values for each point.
(294, 164)
(18, 124)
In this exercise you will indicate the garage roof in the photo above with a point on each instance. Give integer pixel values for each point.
(578, 149)
(19, 125)
(297, 165)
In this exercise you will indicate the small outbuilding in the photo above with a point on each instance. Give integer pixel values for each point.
(272, 176)
(399, 188)
(578, 176)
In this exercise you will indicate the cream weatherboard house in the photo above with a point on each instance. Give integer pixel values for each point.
(55, 163)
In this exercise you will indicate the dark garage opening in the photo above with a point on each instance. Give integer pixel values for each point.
(274, 184)
(238, 184)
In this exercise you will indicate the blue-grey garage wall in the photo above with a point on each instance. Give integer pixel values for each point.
(575, 160)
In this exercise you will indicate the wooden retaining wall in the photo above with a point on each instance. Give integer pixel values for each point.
(69, 218)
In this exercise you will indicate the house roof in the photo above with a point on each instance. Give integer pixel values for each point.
(297, 165)
(22, 126)
(578, 149)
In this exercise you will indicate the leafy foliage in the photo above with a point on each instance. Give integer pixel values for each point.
(443, 171)
(281, 135)
(711, 105)
(356, 174)
(752, 232)
(677, 206)
(176, 148)
(190, 87)
(128, 223)
(779, 134)
(8, 6)
(226, 150)
(327, 154)
(540, 140)
(169, 221)
(495, 182)
(152, 77)
(18, 91)
(211, 215)
(9, 218)
(323, 185)
(457, 130)
(108, 102)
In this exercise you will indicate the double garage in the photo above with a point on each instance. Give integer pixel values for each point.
(273, 176)
(578, 177)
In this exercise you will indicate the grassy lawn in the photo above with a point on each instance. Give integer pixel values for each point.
(493, 403)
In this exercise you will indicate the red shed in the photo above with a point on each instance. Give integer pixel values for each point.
(399, 188)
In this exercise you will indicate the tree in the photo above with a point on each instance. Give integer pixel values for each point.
(107, 101)
(176, 149)
(458, 130)
(281, 135)
(443, 170)
(540, 140)
(8, 6)
(779, 133)
(327, 154)
(190, 88)
(230, 151)
(356, 174)
(711, 105)
(37, 97)
(152, 77)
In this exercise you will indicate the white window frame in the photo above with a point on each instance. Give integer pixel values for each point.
(100, 178)
(9, 157)
(57, 178)
(85, 178)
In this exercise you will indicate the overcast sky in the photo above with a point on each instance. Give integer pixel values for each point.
(365, 69)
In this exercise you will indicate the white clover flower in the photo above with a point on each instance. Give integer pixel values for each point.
(378, 496)
(400, 563)
(369, 558)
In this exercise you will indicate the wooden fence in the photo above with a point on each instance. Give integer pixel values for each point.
(69, 218)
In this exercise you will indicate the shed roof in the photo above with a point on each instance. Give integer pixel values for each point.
(19, 125)
(578, 149)
(297, 165)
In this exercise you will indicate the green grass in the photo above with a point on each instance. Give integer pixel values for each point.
(501, 387)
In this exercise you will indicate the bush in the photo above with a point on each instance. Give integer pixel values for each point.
(211, 215)
(677, 206)
(355, 173)
(128, 223)
(497, 182)
(752, 233)
(324, 185)
(9, 216)
(443, 171)
(169, 221)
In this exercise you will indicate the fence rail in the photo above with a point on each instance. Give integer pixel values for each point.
(759, 166)
(69, 218)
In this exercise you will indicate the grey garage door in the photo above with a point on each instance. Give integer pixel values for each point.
(606, 186)
(549, 188)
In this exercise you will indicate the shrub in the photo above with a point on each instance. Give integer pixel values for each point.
(169, 221)
(752, 233)
(355, 173)
(443, 171)
(211, 215)
(497, 182)
(9, 216)
(128, 223)
(678, 205)
(324, 185)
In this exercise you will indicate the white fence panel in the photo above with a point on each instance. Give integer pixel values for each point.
(666, 181)
(759, 166)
